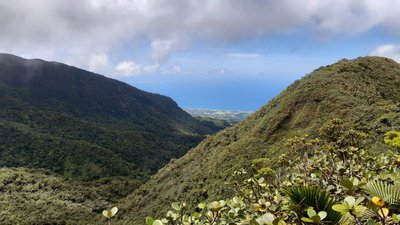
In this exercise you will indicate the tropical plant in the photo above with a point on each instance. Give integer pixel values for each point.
(384, 191)
(304, 198)
(327, 180)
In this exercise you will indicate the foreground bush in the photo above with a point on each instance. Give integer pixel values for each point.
(331, 180)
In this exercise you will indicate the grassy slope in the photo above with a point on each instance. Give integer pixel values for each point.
(363, 92)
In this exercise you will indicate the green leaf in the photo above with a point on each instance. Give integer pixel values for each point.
(343, 209)
(308, 220)
(278, 221)
(316, 218)
(253, 222)
(311, 213)
(359, 210)
(202, 205)
(372, 206)
(268, 217)
(176, 206)
(347, 184)
(303, 197)
(322, 215)
(359, 200)
(350, 200)
(149, 220)
(157, 222)
(371, 222)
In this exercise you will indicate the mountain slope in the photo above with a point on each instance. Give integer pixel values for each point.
(364, 93)
(84, 125)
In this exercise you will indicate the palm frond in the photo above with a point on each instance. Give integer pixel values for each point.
(390, 193)
(302, 197)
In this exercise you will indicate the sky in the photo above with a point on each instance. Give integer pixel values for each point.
(210, 54)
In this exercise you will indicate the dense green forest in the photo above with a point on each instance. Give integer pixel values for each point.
(68, 133)
(37, 196)
(86, 126)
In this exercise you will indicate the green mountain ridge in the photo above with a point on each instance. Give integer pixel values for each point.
(84, 125)
(364, 93)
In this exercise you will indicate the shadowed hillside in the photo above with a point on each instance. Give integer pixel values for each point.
(364, 93)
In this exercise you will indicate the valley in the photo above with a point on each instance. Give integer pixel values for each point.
(187, 112)
(71, 158)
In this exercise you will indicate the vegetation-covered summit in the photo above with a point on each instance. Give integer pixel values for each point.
(363, 93)
(84, 125)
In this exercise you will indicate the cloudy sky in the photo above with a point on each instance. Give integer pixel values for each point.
(221, 54)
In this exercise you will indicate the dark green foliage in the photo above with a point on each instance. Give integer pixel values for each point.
(83, 125)
(39, 197)
(215, 124)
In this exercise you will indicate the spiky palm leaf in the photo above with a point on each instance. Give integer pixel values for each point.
(390, 193)
(302, 197)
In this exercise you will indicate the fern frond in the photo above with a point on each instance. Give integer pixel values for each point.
(390, 193)
(302, 197)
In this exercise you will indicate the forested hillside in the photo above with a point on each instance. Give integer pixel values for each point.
(363, 94)
(84, 125)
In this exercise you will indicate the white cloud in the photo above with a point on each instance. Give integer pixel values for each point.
(151, 68)
(220, 71)
(128, 68)
(98, 61)
(389, 50)
(176, 69)
(74, 30)
(162, 48)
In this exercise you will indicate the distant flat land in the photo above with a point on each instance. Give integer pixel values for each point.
(231, 116)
